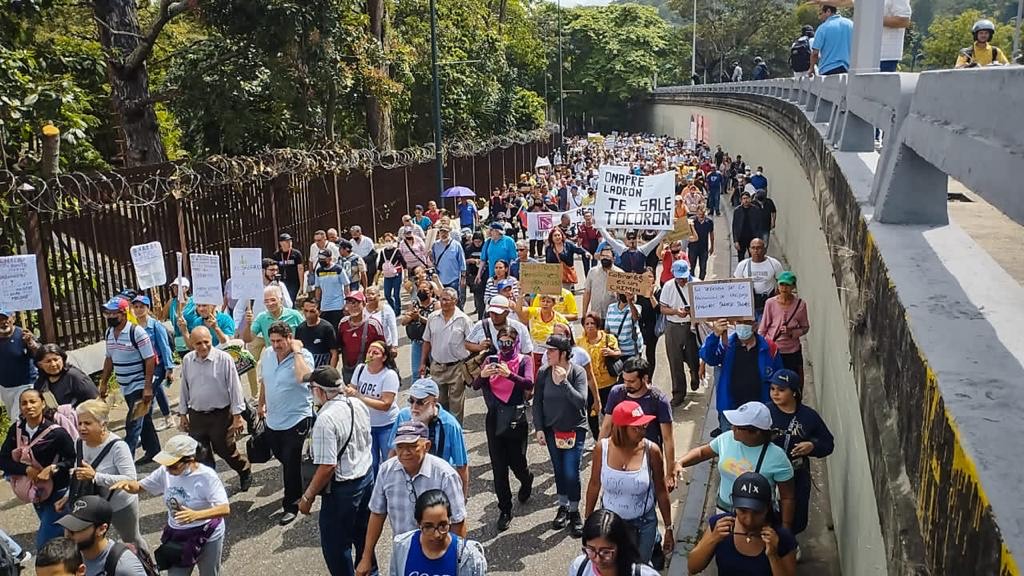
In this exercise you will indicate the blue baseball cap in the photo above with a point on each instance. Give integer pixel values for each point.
(785, 378)
(142, 300)
(116, 304)
(506, 283)
(681, 269)
(497, 226)
(4, 312)
(424, 387)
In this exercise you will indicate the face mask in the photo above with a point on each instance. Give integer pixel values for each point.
(606, 262)
(507, 350)
(744, 331)
(422, 294)
(113, 322)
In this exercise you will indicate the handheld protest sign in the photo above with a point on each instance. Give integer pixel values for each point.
(537, 278)
(246, 273)
(626, 200)
(19, 284)
(731, 299)
(628, 283)
(206, 287)
(148, 261)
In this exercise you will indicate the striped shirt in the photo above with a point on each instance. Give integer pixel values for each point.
(129, 360)
(628, 335)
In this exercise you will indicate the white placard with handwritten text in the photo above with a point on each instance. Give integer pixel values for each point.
(19, 283)
(716, 299)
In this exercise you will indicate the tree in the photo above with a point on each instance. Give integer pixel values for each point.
(949, 34)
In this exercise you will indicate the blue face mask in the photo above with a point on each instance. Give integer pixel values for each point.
(744, 331)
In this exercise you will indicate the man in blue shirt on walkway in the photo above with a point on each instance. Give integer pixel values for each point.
(832, 42)
(498, 247)
(449, 260)
(445, 432)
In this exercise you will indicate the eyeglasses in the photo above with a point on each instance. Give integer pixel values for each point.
(440, 529)
(605, 554)
(412, 492)
(419, 401)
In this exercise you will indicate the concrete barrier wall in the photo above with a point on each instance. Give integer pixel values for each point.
(917, 351)
(854, 507)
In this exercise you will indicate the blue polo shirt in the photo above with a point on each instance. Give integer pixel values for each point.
(503, 249)
(16, 363)
(288, 400)
(446, 433)
(449, 261)
(467, 215)
(833, 40)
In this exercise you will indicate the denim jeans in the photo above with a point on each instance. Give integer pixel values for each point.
(566, 464)
(415, 351)
(723, 424)
(393, 293)
(646, 527)
(714, 198)
(344, 515)
(382, 437)
(48, 516)
(140, 428)
(160, 393)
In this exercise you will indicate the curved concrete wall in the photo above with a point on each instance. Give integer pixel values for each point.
(854, 508)
(904, 379)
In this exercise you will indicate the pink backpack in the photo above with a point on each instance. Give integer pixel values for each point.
(24, 488)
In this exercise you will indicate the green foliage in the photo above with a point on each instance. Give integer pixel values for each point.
(948, 34)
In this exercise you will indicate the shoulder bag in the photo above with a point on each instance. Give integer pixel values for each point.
(510, 419)
(308, 468)
(79, 488)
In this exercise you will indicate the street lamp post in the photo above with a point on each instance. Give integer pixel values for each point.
(693, 48)
(561, 92)
(438, 151)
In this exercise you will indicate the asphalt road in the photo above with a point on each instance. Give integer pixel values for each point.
(256, 544)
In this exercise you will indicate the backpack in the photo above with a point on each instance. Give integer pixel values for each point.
(800, 55)
(135, 343)
(9, 565)
(119, 548)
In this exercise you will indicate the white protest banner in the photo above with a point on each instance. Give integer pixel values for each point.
(538, 224)
(714, 299)
(19, 283)
(206, 288)
(542, 162)
(246, 273)
(626, 200)
(148, 260)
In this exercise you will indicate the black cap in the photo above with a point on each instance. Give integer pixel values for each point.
(324, 377)
(345, 245)
(324, 255)
(285, 236)
(85, 512)
(752, 492)
(559, 342)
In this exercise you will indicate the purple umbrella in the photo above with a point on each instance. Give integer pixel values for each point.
(458, 192)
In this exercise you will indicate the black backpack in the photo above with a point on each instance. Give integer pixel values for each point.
(800, 55)
(119, 548)
(9, 565)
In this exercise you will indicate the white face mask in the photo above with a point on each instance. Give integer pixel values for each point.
(744, 331)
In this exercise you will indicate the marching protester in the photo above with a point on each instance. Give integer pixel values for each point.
(415, 322)
(764, 270)
(363, 247)
(59, 557)
(443, 430)
(141, 307)
(382, 312)
(317, 335)
(37, 456)
(340, 443)
(541, 321)
(88, 523)
(560, 250)
(449, 261)
(700, 248)
(482, 338)
(375, 382)
(331, 285)
(500, 281)
(747, 361)
(400, 482)
(67, 383)
(647, 300)
(101, 460)
(622, 319)
(391, 264)
(413, 249)
(560, 420)
(596, 297)
(497, 248)
(211, 404)
(290, 264)
(444, 352)
(17, 349)
(197, 505)
(801, 433)
(473, 248)
(432, 548)
(785, 321)
(321, 244)
(506, 379)
(609, 548)
(356, 332)
(680, 338)
(746, 224)
(285, 402)
(605, 359)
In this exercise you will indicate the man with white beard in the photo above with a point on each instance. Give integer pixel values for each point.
(445, 431)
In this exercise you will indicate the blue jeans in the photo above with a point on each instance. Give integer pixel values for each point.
(344, 515)
(646, 527)
(140, 428)
(567, 466)
(723, 424)
(382, 437)
(160, 393)
(713, 201)
(48, 516)
(416, 350)
(393, 293)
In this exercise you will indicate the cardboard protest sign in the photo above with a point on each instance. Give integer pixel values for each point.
(537, 278)
(148, 261)
(542, 162)
(539, 224)
(246, 273)
(19, 283)
(714, 299)
(626, 200)
(628, 283)
(206, 287)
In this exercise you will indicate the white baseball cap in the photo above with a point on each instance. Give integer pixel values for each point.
(754, 414)
(498, 305)
(175, 449)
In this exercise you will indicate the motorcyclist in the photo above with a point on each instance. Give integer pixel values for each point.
(982, 52)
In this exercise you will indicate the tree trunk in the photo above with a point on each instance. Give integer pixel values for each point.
(378, 111)
(120, 36)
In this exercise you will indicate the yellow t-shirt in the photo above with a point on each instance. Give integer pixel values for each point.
(566, 306)
(601, 375)
(982, 55)
(539, 329)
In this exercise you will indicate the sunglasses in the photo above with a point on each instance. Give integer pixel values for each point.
(419, 401)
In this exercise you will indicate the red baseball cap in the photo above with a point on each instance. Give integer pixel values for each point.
(629, 413)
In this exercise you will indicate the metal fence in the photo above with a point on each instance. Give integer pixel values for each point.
(87, 255)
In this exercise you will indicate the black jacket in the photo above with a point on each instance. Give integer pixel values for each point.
(756, 223)
(57, 448)
(73, 387)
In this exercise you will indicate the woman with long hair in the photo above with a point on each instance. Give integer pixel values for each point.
(581, 358)
(390, 263)
(37, 456)
(101, 460)
(501, 275)
(629, 475)
(603, 349)
(506, 379)
(196, 507)
(560, 250)
(433, 548)
(609, 548)
(376, 383)
(67, 383)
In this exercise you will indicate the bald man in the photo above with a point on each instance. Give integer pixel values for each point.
(211, 403)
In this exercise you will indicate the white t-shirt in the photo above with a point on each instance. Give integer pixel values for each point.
(375, 386)
(314, 252)
(892, 38)
(763, 273)
(197, 490)
(574, 568)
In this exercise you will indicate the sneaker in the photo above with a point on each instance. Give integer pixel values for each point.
(678, 401)
(25, 559)
(163, 424)
(504, 521)
(526, 490)
(244, 480)
(286, 519)
(575, 524)
(561, 518)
